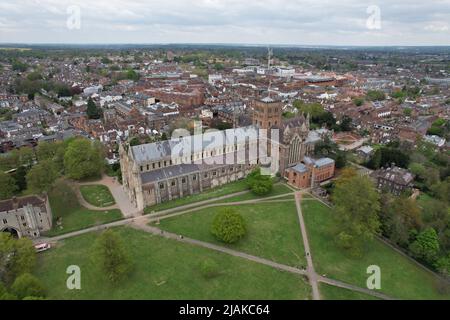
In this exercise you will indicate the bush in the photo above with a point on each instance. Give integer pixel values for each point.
(228, 226)
(209, 269)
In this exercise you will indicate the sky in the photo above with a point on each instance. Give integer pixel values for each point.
(290, 22)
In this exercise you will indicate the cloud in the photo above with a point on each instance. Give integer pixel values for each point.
(410, 22)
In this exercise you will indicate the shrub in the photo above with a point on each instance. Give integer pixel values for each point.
(209, 269)
(228, 226)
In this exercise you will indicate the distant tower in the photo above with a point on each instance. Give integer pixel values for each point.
(267, 112)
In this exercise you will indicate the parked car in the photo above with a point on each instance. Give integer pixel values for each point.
(42, 247)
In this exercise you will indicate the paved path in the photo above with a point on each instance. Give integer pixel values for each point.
(122, 201)
(86, 204)
(312, 276)
(344, 285)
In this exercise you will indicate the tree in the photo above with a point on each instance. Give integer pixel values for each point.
(26, 285)
(400, 218)
(92, 111)
(47, 150)
(426, 245)
(17, 256)
(7, 186)
(356, 205)
(358, 101)
(83, 159)
(375, 95)
(228, 226)
(42, 176)
(20, 177)
(259, 184)
(346, 124)
(26, 157)
(111, 256)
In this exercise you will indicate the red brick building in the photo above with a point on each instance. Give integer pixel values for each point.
(310, 173)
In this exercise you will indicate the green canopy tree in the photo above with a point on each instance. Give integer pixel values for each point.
(17, 256)
(92, 111)
(426, 245)
(356, 205)
(27, 285)
(83, 159)
(111, 257)
(7, 186)
(259, 184)
(42, 176)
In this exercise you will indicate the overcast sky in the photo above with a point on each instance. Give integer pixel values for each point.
(301, 22)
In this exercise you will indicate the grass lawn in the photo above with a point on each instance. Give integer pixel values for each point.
(164, 269)
(97, 195)
(273, 230)
(400, 277)
(64, 204)
(229, 188)
(328, 292)
(278, 189)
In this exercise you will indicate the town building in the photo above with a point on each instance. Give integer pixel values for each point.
(394, 180)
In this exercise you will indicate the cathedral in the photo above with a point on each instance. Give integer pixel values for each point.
(158, 172)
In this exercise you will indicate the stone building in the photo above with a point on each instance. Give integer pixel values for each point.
(157, 172)
(26, 216)
(394, 179)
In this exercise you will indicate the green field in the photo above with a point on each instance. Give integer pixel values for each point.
(328, 292)
(273, 230)
(278, 189)
(229, 188)
(164, 269)
(64, 204)
(400, 277)
(97, 195)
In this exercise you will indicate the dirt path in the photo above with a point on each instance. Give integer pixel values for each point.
(312, 276)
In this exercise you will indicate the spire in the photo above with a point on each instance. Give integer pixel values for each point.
(269, 56)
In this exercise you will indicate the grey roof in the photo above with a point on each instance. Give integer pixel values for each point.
(300, 168)
(197, 143)
(323, 162)
(318, 162)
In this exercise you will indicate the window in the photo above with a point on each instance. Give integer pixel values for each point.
(153, 165)
(148, 167)
(205, 175)
(165, 163)
(194, 178)
(142, 168)
(183, 180)
(173, 183)
(22, 218)
(161, 186)
(5, 221)
(214, 173)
